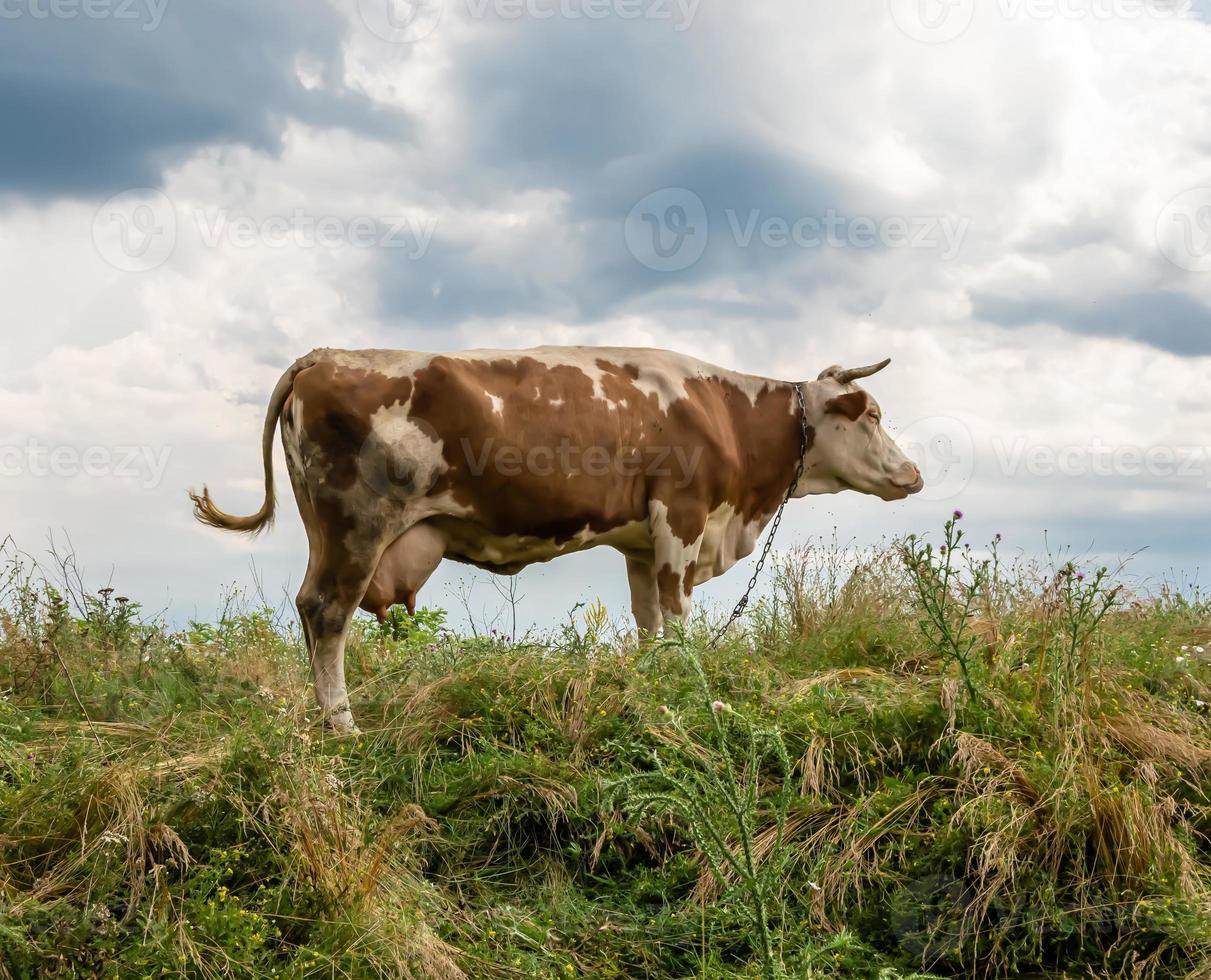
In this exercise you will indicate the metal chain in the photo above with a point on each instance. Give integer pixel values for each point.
(738, 611)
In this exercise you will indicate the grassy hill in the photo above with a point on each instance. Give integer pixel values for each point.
(939, 765)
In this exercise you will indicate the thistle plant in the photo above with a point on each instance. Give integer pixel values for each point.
(709, 778)
(947, 588)
(1082, 603)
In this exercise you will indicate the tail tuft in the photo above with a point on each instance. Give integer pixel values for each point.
(205, 511)
(203, 507)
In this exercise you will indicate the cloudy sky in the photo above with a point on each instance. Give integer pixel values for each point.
(1011, 198)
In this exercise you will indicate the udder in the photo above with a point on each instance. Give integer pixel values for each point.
(405, 566)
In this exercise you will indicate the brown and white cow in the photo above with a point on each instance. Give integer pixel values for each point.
(505, 458)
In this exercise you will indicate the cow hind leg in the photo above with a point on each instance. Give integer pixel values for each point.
(329, 597)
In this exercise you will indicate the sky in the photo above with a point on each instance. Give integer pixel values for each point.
(1009, 198)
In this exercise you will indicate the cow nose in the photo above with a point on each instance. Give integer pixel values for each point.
(915, 482)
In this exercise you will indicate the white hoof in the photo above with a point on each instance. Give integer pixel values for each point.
(340, 722)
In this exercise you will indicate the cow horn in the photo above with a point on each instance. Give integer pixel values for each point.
(846, 375)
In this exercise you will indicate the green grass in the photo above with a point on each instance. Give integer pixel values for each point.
(934, 766)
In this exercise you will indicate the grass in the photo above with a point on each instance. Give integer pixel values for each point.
(922, 763)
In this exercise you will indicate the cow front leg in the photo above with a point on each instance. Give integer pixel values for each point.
(676, 564)
(645, 597)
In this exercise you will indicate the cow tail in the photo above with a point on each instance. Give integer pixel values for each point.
(204, 508)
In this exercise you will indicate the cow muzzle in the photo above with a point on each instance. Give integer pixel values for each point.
(906, 489)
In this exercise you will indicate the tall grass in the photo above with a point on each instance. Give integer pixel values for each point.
(888, 770)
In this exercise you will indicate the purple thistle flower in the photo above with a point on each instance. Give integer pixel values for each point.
(958, 515)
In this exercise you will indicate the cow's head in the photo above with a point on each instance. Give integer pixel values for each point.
(850, 450)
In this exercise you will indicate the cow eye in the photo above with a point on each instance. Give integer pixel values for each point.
(873, 416)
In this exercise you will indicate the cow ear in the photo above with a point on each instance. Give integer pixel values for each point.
(852, 405)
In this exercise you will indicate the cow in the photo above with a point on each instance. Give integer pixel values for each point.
(504, 458)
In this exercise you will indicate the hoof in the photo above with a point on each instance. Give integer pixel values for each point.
(340, 723)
